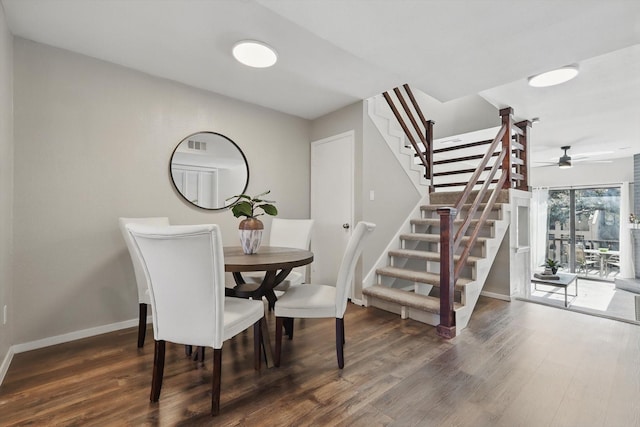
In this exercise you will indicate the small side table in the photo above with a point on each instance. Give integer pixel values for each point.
(565, 279)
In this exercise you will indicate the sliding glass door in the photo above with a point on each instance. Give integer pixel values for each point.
(584, 231)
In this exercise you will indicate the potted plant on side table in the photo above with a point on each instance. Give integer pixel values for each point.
(250, 228)
(552, 265)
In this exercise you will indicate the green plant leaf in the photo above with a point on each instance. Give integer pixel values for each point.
(269, 209)
(242, 208)
(238, 196)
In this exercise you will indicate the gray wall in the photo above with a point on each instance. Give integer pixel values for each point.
(395, 194)
(6, 181)
(93, 142)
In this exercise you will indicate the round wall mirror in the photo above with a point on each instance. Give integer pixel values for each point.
(207, 168)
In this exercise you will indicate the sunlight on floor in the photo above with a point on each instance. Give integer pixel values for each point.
(594, 297)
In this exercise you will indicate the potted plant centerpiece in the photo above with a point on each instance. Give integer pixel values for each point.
(251, 227)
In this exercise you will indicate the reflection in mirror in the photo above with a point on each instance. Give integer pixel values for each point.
(207, 168)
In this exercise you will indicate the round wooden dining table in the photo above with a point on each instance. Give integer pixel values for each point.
(276, 262)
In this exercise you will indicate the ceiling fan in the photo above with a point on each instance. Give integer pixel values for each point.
(566, 161)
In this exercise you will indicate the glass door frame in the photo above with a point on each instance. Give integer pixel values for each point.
(572, 242)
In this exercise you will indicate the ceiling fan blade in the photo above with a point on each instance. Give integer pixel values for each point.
(548, 165)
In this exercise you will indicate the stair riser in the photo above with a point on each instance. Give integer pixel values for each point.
(485, 231)
(431, 211)
(405, 312)
(478, 250)
(433, 266)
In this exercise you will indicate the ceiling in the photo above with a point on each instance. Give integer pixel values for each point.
(336, 52)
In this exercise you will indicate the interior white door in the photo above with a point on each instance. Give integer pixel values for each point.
(332, 182)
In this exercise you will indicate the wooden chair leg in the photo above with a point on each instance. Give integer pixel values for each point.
(257, 344)
(288, 327)
(279, 326)
(158, 370)
(142, 324)
(215, 382)
(340, 342)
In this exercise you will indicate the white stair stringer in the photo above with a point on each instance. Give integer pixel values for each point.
(483, 267)
(386, 123)
(394, 243)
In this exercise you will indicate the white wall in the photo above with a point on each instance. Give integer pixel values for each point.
(6, 182)
(467, 114)
(93, 142)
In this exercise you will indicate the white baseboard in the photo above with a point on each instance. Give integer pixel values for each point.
(4, 368)
(60, 339)
(72, 336)
(357, 301)
(496, 296)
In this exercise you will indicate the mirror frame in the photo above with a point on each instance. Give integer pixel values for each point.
(175, 187)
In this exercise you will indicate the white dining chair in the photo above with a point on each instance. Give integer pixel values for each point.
(184, 266)
(322, 301)
(287, 233)
(141, 280)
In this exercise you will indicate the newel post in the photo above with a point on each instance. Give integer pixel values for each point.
(447, 326)
(506, 114)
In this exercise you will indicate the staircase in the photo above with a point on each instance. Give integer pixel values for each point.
(436, 270)
(410, 284)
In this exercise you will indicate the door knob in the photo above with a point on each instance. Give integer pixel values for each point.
(345, 226)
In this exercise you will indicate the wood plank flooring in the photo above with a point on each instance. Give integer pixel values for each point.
(518, 364)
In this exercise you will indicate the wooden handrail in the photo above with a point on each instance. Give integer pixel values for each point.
(409, 135)
(462, 159)
(487, 209)
(479, 197)
(474, 178)
(451, 266)
(512, 163)
(461, 146)
(415, 104)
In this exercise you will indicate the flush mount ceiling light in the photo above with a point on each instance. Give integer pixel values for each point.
(554, 77)
(254, 54)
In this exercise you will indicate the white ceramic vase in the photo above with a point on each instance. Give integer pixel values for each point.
(250, 231)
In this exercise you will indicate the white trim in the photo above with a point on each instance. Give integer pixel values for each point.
(496, 296)
(76, 335)
(4, 368)
(357, 301)
(64, 338)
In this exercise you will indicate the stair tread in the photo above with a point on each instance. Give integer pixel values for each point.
(427, 255)
(427, 237)
(436, 221)
(406, 298)
(419, 276)
(435, 206)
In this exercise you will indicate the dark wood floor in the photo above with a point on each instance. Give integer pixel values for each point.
(518, 364)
